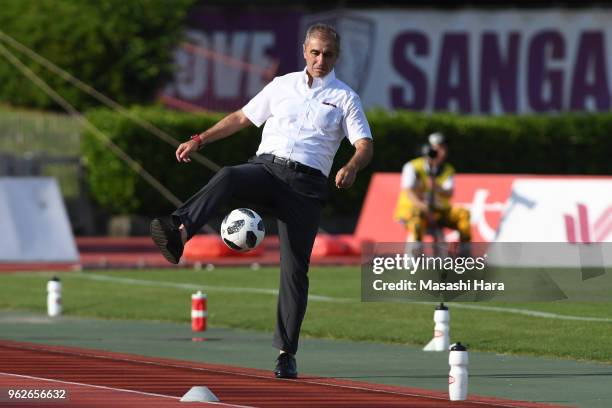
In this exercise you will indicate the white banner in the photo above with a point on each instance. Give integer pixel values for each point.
(34, 222)
(573, 210)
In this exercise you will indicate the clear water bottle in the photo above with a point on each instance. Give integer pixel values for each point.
(458, 375)
(54, 297)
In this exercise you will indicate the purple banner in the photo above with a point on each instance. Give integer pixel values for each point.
(473, 62)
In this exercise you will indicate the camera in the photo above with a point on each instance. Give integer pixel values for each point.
(429, 151)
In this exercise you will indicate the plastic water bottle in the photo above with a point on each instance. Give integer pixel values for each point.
(199, 311)
(442, 327)
(458, 375)
(54, 297)
(441, 337)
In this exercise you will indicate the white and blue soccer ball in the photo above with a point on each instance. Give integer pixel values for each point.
(242, 229)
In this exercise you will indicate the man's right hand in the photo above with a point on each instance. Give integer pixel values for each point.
(184, 149)
(227, 126)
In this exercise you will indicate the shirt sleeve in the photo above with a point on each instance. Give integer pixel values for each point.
(258, 110)
(354, 123)
(408, 176)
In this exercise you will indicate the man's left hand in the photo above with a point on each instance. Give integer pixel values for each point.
(346, 177)
(184, 149)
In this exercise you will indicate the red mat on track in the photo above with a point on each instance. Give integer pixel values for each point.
(98, 378)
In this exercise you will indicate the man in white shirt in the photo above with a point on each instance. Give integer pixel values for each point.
(306, 116)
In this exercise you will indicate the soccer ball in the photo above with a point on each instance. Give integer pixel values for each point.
(242, 229)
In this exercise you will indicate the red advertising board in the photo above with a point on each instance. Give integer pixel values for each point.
(574, 209)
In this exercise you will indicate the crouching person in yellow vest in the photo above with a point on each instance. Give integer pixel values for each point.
(426, 189)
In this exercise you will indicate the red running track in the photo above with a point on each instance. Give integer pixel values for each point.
(102, 379)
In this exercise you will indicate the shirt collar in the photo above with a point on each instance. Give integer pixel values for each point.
(320, 82)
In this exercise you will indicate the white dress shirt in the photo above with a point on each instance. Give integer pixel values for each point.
(307, 124)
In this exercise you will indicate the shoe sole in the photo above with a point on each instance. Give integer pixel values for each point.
(159, 238)
(286, 377)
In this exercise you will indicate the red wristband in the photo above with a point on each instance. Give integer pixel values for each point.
(197, 139)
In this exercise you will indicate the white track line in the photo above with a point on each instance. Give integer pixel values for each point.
(150, 394)
(320, 298)
(533, 313)
(194, 286)
(220, 371)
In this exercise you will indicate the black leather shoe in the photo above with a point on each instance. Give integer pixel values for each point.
(286, 366)
(168, 239)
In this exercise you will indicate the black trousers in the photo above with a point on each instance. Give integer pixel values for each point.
(295, 199)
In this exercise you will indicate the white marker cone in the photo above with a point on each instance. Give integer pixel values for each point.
(441, 339)
(199, 394)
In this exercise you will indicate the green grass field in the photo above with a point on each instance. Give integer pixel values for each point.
(245, 298)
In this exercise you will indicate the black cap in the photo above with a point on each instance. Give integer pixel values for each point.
(458, 347)
(55, 278)
(441, 307)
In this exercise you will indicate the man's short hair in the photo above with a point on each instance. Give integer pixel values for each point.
(323, 30)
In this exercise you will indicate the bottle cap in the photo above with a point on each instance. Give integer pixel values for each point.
(458, 347)
(441, 307)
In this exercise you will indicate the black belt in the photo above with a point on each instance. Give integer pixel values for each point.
(297, 166)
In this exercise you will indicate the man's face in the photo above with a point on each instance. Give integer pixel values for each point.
(320, 54)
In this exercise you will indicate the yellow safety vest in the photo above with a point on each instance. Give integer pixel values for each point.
(403, 209)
